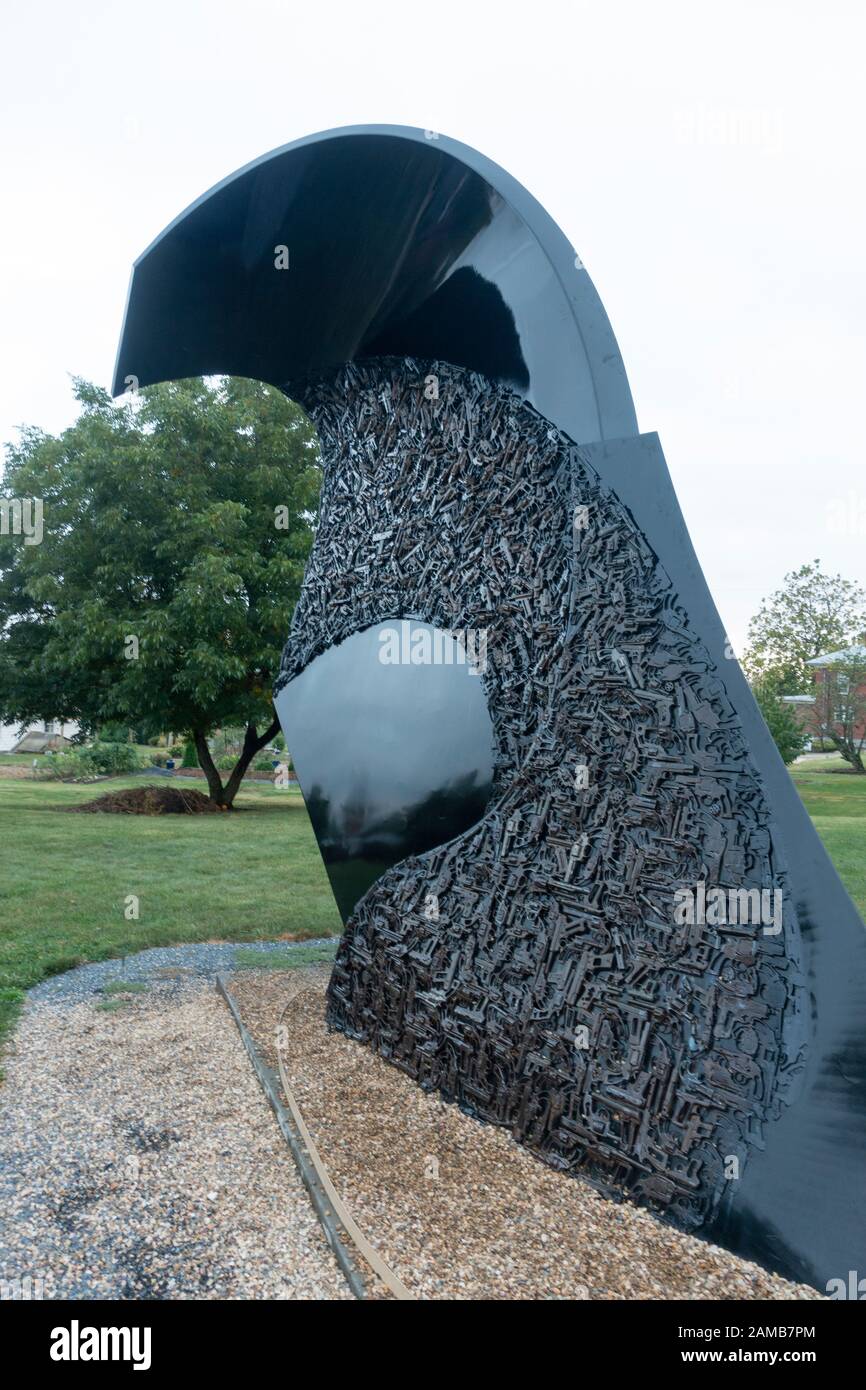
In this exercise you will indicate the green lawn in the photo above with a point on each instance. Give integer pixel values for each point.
(252, 875)
(836, 801)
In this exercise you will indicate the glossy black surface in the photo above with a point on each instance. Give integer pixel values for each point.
(799, 1205)
(393, 759)
(398, 244)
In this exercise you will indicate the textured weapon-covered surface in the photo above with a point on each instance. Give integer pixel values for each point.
(551, 990)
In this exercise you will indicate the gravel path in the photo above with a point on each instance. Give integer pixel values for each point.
(204, 960)
(139, 1158)
(456, 1208)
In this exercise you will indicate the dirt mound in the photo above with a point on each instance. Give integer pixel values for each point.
(151, 801)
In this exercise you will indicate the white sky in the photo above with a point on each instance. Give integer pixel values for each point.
(706, 160)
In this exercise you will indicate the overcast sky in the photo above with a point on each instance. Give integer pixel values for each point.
(706, 160)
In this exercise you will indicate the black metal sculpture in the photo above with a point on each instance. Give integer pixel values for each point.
(619, 935)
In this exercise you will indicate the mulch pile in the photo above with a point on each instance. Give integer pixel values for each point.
(151, 801)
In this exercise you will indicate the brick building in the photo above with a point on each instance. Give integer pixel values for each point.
(837, 670)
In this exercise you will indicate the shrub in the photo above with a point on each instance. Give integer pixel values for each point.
(115, 732)
(190, 756)
(86, 764)
(71, 766)
(113, 758)
(116, 758)
(788, 737)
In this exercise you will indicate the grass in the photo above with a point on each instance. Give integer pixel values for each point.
(68, 880)
(836, 801)
(279, 960)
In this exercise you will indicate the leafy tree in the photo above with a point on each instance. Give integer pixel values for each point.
(839, 712)
(176, 527)
(811, 614)
(780, 720)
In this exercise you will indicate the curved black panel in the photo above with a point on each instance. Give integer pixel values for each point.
(393, 747)
(397, 243)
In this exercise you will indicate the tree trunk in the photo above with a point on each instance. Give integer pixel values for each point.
(849, 751)
(209, 768)
(253, 744)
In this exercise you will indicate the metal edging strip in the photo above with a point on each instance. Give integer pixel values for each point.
(330, 1208)
(312, 1179)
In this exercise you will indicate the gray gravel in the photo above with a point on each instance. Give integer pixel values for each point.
(139, 1158)
(204, 960)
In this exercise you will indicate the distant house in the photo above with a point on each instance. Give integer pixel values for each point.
(49, 735)
(802, 707)
(822, 666)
